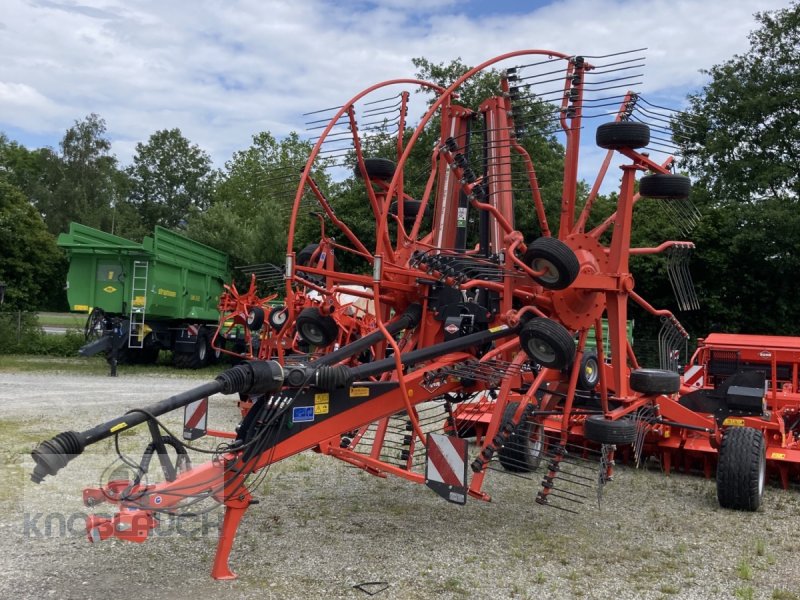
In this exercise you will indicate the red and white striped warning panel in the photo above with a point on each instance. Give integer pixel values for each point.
(195, 419)
(446, 467)
(693, 376)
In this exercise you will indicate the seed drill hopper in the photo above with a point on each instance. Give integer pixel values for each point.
(461, 312)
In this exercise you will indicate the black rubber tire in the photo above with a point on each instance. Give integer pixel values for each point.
(199, 357)
(589, 373)
(655, 381)
(522, 451)
(741, 468)
(277, 317)
(596, 428)
(548, 343)
(378, 168)
(665, 185)
(622, 134)
(555, 256)
(316, 329)
(255, 318)
(305, 254)
(410, 211)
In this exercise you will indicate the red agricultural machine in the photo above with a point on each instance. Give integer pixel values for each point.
(450, 310)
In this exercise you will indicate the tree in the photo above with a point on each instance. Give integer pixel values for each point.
(171, 179)
(740, 140)
(31, 265)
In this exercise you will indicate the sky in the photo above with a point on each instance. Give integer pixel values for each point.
(221, 71)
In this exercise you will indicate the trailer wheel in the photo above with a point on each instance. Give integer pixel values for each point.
(198, 358)
(277, 317)
(655, 381)
(665, 185)
(547, 343)
(556, 258)
(741, 468)
(622, 134)
(255, 318)
(589, 373)
(316, 329)
(596, 428)
(522, 452)
(378, 168)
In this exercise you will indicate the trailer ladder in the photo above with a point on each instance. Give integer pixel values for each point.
(138, 301)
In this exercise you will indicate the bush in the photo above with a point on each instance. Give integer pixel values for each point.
(20, 333)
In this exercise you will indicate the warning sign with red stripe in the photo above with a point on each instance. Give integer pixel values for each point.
(195, 419)
(694, 376)
(446, 467)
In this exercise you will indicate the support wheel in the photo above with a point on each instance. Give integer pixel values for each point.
(522, 452)
(559, 262)
(548, 343)
(655, 381)
(589, 373)
(255, 318)
(378, 168)
(665, 185)
(596, 428)
(316, 329)
(277, 317)
(741, 469)
(622, 134)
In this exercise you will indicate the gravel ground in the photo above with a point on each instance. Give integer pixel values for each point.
(322, 527)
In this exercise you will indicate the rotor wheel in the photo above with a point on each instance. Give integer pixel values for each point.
(741, 469)
(558, 261)
(622, 134)
(666, 186)
(596, 428)
(316, 329)
(522, 451)
(547, 343)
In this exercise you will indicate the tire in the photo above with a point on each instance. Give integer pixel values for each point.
(378, 168)
(410, 210)
(522, 452)
(554, 255)
(277, 317)
(255, 318)
(316, 329)
(304, 256)
(589, 373)
(741, 468)
(665, 185)
(655, 381)
(198, 358)
(596, 428)
(622, 134)
(548, 343)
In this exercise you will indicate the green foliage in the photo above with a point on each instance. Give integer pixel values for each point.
(31, 265)
(171, 180)
(20, 333)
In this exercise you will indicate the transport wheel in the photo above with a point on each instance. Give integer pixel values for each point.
(522, 452)
(655, 381)
(255, 318)
(556, 258)
(589, 373)
(410, 211)
(378, 168)
(596, 428)
(741, 468)
(665, 185)
(316, 329)
(622, 134)
(547, 343)
(277, 317)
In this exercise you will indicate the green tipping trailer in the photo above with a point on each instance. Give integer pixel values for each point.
(145, 297)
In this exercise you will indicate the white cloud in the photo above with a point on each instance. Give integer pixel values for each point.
(222, 71)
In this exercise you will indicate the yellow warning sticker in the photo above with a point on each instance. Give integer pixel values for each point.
(167, 293)
(322, 398)
(109, 289)
(81, 307)
(321, 409)
(359, 392)
(138, 300)
(118, 426)
(778, 455)
(498, 328)
(731, 422)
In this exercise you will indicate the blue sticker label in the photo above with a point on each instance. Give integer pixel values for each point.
(301, 414)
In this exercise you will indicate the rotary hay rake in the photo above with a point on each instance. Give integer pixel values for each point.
(449, 335)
